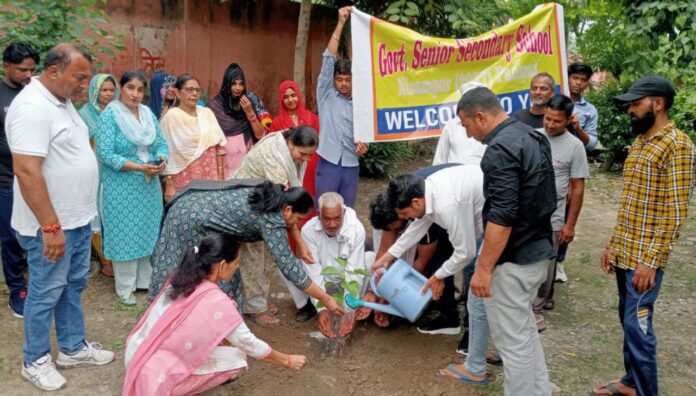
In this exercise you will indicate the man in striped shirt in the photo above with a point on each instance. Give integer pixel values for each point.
(658, 183)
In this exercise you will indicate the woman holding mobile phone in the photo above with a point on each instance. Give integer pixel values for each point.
(132, 151)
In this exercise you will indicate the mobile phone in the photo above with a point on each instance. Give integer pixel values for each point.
(157, 162)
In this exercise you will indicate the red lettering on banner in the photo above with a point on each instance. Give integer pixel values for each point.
(533, 41)
(391, 62)
(430, 56)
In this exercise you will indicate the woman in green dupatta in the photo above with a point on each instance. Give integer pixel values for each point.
(102, 90)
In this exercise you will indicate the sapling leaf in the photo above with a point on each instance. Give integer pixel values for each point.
(353, 288)
(341, 261)
(359, 271)
(329, 284)
(338, 296)
(330, 271)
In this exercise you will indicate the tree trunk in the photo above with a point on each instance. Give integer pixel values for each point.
(301, 45)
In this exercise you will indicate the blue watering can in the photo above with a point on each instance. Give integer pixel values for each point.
(401, 285)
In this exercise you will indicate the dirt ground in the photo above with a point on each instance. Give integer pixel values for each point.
(582, 342)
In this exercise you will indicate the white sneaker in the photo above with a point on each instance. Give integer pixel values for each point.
(560, 273)
(43, 374)
(93, 354)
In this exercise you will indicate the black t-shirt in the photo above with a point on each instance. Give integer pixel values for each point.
(7, 94)
(526, 117)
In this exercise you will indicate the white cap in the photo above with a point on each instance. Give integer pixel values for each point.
(466, 87)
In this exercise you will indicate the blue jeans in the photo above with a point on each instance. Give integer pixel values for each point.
(640, 343)
(55, 289)
(13, 262)
(478, 335)
(336, 178)
(478, 327)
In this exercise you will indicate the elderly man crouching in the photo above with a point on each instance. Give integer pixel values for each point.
(335, 235)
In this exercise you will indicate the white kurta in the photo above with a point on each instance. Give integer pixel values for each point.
(455, 147)
(348, 244)
(454, 201)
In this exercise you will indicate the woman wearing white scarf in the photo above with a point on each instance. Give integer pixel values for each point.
(281, 158)
(194, 138)
(132, 151)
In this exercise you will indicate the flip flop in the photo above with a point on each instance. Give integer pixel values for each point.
(462, 376)
(611, 388)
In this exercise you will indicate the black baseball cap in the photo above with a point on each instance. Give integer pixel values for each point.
(647, 86)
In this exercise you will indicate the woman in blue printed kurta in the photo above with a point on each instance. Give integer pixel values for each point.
(132, 152)
(245, 210)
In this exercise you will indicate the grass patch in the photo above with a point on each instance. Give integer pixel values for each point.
(137, 309)
(114, 345)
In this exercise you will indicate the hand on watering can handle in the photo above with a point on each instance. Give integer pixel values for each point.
(382, 262)
(436, 285)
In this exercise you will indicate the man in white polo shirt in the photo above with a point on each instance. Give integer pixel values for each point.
(55, 194)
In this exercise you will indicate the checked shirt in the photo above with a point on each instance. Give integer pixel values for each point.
(658, 183)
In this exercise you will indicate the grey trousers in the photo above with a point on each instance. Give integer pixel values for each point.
(513, 329)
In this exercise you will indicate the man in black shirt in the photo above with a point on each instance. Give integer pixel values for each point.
(19, 63)
(543, 87)
(520, 192)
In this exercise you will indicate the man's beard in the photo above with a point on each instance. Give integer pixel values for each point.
(641, 125)
(541, 102)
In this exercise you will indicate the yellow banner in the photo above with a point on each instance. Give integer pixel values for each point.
(405, 84)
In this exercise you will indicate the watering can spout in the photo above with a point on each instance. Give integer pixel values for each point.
(356, 303)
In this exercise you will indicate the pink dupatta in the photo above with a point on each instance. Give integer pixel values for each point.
(180, 341)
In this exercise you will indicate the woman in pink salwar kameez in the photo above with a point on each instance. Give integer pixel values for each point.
(192, 338)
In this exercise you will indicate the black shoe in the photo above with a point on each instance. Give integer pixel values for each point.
(306, 313)
(463, 348)
(441, 325)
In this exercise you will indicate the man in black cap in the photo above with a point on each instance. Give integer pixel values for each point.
(658, 183)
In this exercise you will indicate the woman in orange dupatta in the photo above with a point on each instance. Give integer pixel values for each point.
(293, 113)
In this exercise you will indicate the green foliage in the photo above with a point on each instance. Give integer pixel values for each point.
(380, 159)
(450, 18)
(43, 24)
(614, 127)
(344, 285)
(632, 39)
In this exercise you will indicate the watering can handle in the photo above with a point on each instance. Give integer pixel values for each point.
(372, 281)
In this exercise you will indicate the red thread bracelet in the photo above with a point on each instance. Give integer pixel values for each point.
(50, 229)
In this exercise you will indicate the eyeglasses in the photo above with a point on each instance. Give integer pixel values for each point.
(191, 90)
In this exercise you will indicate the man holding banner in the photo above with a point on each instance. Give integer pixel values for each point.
(338, 169)
(520, 191)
